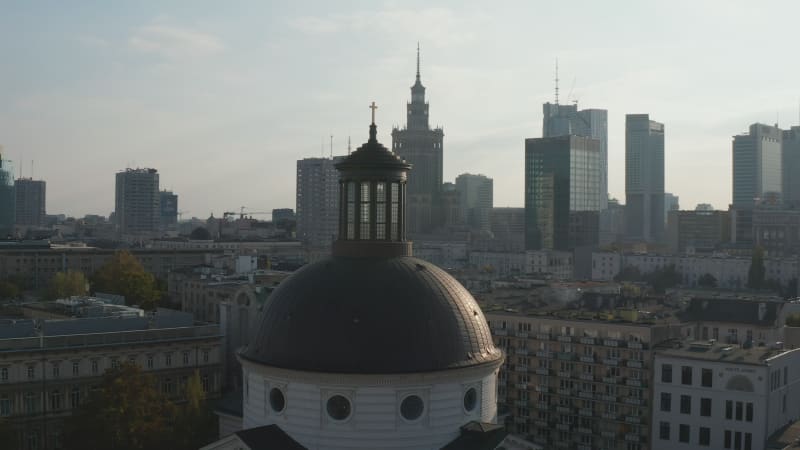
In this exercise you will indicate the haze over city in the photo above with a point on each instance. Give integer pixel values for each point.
(224, 100)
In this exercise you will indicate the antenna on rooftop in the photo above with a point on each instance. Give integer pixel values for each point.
(31, 169)
(556, 81)
(331, 146)
(349, 148)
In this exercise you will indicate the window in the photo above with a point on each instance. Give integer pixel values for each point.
(168, 359)
(351, 210)
(706, 378)
(114, 363)
(205, 356)
(5, 406)
(4, 374)
(705, 407)
(56, 370)
(30, 403)
(785, 375)
(748, 441)
(737, 440)
(365, 212)
(749, 411)
(395, 210)
(75, 397)
(686, 375)
(169, 387)
(206, 384)
(76, 368)
(729, 409)
(94, 367)
(55, 400)
(704, 437)
(185, 358)
(663, 431)
(666, 401)
(727, 439)
(380, 210)
(149, 361)
(739, 410)
(683, 433)
(686, 404)
(31, 372)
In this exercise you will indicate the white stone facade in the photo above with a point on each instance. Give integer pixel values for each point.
(736, 404)
(374, 420)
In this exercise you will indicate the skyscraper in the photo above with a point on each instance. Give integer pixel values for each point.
(169, 210)
(562, 192)
(475, 193)
(757, 165)
(644, 178)
(563, 120)
(30, 206)
(137, 203)
(7, 197)
(790, 163)
(421, 146)
(317, 205)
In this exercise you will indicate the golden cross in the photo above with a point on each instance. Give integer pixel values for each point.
(373, 107)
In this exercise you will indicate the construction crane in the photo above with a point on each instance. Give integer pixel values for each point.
(181, 213)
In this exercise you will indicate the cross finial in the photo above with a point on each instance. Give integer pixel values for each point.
(373, 107)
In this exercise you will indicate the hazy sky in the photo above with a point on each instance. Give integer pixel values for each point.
(223, 97)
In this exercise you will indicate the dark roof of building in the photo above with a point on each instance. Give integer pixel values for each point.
(785, 438)
(702, 309)
(373, 155)
(268, 437)
(478, 436)
(372, 315)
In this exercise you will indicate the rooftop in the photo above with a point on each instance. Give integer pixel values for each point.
(715, 351)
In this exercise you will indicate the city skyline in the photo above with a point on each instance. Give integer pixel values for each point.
(238, 96)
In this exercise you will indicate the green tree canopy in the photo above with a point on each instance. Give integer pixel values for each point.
(757, 272)
(66, 284)
(707, 280)
(8, 290)
(124, 275)
(195, 424)
(126, 413)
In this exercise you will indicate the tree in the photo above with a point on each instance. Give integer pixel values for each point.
(200, 234)
(664, 278)
(9, 435)
(8, 290)
(756, 273)
(629, 273)
(195, 424)
(124, 275)
(793, 320)
(66, 284)
(707, 280)
(126, 413)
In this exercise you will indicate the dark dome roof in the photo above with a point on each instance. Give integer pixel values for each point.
(372, 315)
(373, 155)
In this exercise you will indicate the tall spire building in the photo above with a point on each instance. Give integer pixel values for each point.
(421, 146)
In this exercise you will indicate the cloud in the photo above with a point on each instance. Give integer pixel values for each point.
(443, 26)
(174, 42)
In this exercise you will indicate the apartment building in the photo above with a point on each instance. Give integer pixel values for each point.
(579, 377)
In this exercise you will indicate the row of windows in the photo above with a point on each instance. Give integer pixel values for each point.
(706, 375)
(55, 368)
(743, 411)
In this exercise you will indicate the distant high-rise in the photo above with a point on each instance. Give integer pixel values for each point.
(137, 202)
(563, 120)
(562, 192)
(644, 178)
(791, 167)
(421, 146)
(756, 165)
(7, 197)
(672, 202)
(30, 208)
(169, 210)
(475, 193)
(317, 208)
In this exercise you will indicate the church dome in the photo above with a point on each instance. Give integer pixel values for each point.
(372, 315)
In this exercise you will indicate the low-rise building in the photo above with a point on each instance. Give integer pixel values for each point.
(709, 394)
(49, 367)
